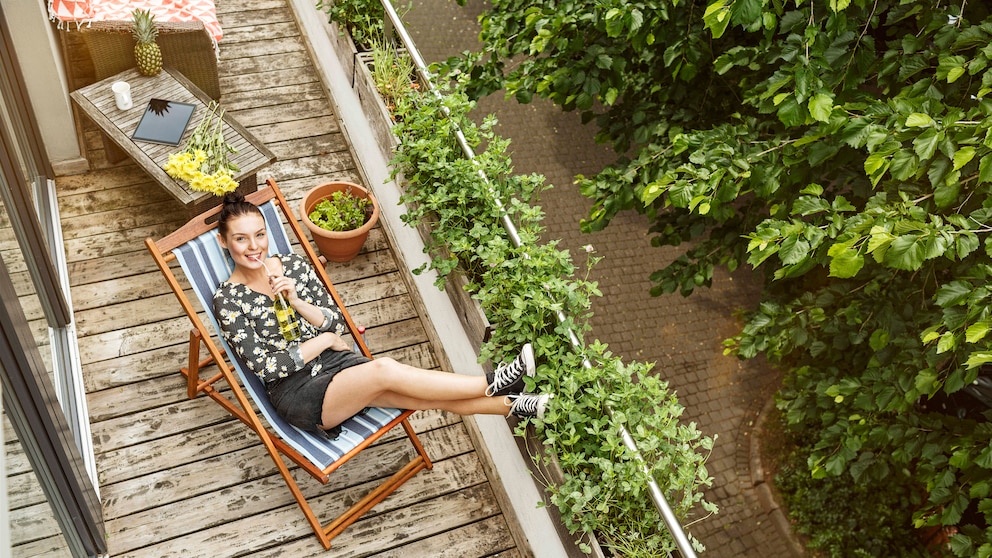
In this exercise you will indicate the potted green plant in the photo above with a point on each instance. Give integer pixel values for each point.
(339, 216)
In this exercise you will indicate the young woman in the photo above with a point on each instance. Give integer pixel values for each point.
(298, 374)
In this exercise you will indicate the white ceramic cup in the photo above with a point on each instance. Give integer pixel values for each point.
(122, 94)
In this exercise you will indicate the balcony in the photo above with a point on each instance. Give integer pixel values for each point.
(180, 476)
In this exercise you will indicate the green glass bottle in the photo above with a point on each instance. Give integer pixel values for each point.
(286, 316)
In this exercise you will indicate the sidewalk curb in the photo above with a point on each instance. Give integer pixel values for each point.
(762, 487)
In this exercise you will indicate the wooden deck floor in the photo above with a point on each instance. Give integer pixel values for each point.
(179, 476)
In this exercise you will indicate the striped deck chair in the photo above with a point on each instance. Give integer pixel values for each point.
(205, 265)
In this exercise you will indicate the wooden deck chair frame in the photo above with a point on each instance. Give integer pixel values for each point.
(238, 403)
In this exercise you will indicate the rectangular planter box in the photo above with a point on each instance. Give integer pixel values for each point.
(379, 118)
(344, 48)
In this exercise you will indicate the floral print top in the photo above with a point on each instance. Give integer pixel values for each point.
(248, 322)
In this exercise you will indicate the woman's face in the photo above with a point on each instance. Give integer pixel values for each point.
(246, 240)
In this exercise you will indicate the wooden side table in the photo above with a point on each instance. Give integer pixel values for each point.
(97, 102)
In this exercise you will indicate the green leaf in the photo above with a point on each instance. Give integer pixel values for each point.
(978, 358)
(793, 249)
(790, 113)
(963, 156)
(879, 242)
(918, 120)
(946, 194)
(952, 294)
(717, 17)
(985, 169)
(611, 95)
(926, 381)
(820, 107)
(976, 332)
(906, 253)
(846, 262)
(947, 342)
(879, 339)
(926, 144)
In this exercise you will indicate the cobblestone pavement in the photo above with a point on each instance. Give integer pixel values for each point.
(682, 335)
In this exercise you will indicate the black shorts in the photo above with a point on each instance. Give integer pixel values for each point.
(300, 398)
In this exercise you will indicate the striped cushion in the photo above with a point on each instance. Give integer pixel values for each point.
(206, 265)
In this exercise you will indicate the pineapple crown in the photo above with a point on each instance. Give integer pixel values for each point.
(145, 29)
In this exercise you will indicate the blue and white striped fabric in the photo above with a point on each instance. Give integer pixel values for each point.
(206, 264)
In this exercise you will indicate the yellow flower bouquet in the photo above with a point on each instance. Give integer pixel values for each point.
(203, 163)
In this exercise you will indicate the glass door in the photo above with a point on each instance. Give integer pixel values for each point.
(46, 433)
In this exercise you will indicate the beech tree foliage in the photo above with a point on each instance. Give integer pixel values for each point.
(841, 147)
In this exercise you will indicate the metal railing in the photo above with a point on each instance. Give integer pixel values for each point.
(392, 25)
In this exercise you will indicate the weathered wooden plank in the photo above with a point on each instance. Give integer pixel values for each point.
(225, 8)
(371, 288)
(149, 424)
(32, 523)
(120, 401)
(252, 497)
(253, 16)
(488, 537)
(260, 65)
(258, 48)
(308, 166)
(220, 471)
(51, 547)
(166, 210)
(375, 533)
(94, 181)
(399, 334)
(85, 272)
(270, 115)
(136, 367)
(313, 145)
(114, 242)
(112, 344)
(272, 80)
(23, 490)
(373, 261)
(132, 313)
(251, 98)
(234, 32)
(296, 129)
(128, 197)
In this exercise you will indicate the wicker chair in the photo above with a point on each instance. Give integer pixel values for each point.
(186, 46)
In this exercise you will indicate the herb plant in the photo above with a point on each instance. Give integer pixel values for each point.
(341, 211)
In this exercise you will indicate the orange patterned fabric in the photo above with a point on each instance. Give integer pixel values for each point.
(82, 11)
(69, 10)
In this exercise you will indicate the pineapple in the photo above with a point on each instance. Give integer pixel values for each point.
(146, 52)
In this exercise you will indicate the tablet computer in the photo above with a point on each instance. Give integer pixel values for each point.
(164, 122)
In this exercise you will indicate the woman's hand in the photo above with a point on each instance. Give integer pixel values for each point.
(336, 342)
(286, 286)
(311, 348)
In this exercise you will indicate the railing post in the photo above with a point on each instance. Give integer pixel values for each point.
(393, 22)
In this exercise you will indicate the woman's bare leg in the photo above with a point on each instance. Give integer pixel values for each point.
(387, 383)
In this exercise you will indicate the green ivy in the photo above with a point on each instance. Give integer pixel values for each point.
(523, 290)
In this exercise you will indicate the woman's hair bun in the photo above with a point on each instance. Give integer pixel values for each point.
(234, 197)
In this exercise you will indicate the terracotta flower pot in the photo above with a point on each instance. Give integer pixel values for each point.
(333, 245)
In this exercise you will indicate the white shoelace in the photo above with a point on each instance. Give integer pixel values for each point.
(506, 375)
